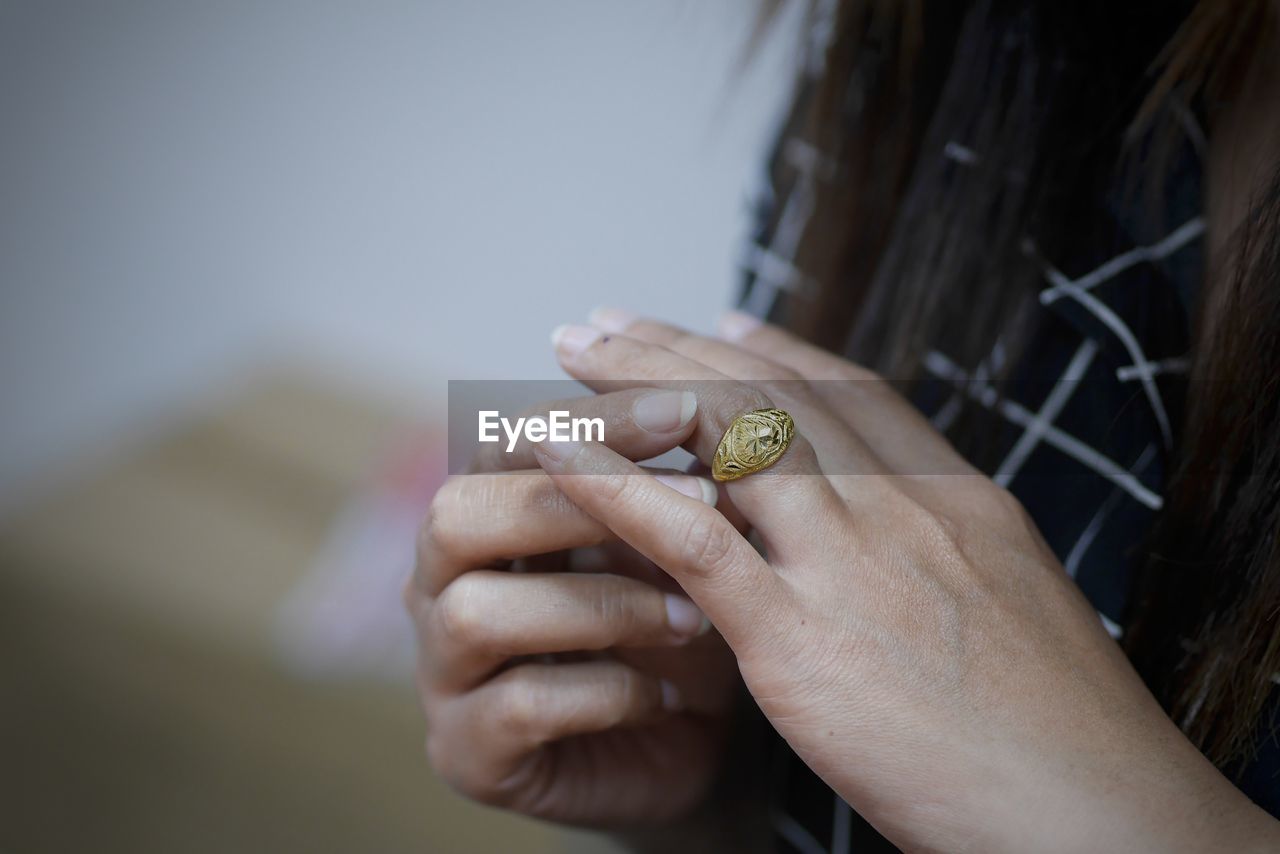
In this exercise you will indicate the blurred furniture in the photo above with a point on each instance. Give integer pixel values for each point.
(142, 710)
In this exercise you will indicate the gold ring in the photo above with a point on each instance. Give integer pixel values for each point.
(754, 441)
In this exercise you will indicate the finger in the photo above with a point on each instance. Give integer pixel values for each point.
(839, 449)
(479, 520)
(894, 429)
(639, 423)
(480, 741)
(691, 541)
(891, 428)
(484, 618)
(781, 508)
(724, 357)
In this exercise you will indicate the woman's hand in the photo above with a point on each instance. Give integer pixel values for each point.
(907, 632)
(562, 674)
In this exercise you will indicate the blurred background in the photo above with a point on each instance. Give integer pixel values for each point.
(243, 247)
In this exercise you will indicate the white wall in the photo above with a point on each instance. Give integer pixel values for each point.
(404, 192)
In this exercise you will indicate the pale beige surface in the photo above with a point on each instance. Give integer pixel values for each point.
(142, 711)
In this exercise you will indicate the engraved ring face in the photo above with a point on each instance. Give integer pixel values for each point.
(754, 441)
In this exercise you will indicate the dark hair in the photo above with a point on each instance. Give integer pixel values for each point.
(1204, 633)
(1063, 101)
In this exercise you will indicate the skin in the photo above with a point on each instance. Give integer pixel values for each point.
(562, 674)
(909, 634)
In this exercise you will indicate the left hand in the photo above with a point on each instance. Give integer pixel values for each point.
(907, 630)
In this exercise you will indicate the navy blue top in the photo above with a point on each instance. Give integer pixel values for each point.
(1084, 429)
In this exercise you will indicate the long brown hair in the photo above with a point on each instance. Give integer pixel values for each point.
(1062, 100)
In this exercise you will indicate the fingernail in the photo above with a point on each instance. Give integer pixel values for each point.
(664, 411)
(611, 319)
(560, 452)
(736, 325)
(671, 697)
(684, 617)
(693, 487)
(572, 340)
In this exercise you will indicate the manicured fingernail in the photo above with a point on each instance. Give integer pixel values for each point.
(693, 487)
(664, 411)
(561, 452)
(572, 340)
(671, 700)
(736, 325)
(684, 617)
(611, 319)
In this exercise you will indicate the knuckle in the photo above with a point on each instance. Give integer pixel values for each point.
(991, 505)
(921, 518)
(944, 529)
(458, 757)
(615, 489)
(426, 536)
(452, 522)
(1003, 505)
(416, 601)
(460, 614)
(518, 711)
(1002, 511)
(925, 531)
(711, 543)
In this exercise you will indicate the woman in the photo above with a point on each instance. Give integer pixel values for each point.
(1036, 219)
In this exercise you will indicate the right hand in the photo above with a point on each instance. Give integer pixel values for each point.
(562, 674)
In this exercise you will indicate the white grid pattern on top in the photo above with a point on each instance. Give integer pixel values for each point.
(1163, 248)
(1038, 426)
(1079, 290)
(773, 266)
(943, 368)
(1053, 404)
(797, 836)
(774, 271)
(1081, 547)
